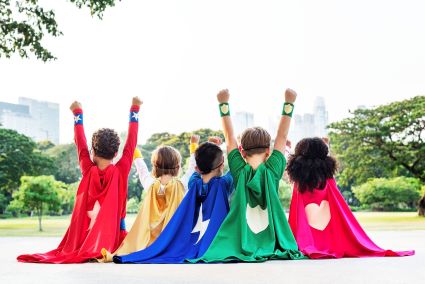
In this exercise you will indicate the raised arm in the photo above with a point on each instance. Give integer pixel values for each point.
(285, 121)
(133, 128)
(80, 138)
(194, 143)
(229, 135)
(145, 176)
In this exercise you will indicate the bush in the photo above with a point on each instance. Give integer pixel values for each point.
(133, 205)
(383, 194)
(285, 194)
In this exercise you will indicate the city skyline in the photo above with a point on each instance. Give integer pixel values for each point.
(303, 125)
(36, 119)
(176, 55)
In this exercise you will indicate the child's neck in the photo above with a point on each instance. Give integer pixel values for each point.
(102, 163)
(256, 160)
(164, 179)
(207, 177)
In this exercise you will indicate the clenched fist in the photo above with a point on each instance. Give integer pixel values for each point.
(223, 96)
(195, 139)
(290, 96)
(137, 101)
(75, 105)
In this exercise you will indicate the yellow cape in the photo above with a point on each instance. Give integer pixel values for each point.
(154, 214)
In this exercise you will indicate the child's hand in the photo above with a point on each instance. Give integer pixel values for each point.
(215, 139)
(223, 96)
(75, 105)
(137, 101)
(195, 139)
(290, 96)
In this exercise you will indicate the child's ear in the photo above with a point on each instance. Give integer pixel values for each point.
(116, 153)
(243, 153)
(267, 152)
(197, 170)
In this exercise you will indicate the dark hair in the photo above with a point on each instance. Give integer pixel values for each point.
(310, 166)
(105, 143)
(208, 157)
(165, 160)
(255, 140)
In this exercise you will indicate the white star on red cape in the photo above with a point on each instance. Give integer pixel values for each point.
(93, 214)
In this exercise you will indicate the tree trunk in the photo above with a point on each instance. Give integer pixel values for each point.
(421, 206)
(40, 212)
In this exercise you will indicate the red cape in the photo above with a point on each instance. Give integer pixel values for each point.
(79, 243)
(100, 205)
(333, 234)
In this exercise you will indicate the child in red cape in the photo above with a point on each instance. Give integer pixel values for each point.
(320, 219)
(98, 217)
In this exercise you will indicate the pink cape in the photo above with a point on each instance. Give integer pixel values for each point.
(333, 235)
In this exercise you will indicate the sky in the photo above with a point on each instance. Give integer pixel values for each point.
(177, 54)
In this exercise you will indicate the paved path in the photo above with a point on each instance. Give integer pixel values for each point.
(366, 270)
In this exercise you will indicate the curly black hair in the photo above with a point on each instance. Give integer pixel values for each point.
(105, 143)
(310, 166)
(208, 157)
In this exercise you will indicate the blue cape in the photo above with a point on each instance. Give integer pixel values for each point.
(189, 233)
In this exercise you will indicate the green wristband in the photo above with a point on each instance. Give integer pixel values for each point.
(224, 109)
(288, 109)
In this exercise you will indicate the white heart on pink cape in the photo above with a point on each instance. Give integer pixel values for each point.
(318, 217)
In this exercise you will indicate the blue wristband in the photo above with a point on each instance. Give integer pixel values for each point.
(78, 118)
(134, 116)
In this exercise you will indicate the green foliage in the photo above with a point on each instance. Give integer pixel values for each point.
(66, 196)
(24, 24)
(179, 141)
(3, 202)
(38, 194)
(385, 141)
(45, 145)
(389, 194)
(66, 163)
(133, 205)
(285, 194)
(19, 156)
(135, 188)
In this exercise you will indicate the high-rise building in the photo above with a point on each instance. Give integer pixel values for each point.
(310, 124)
(243, 120)
(36, 119)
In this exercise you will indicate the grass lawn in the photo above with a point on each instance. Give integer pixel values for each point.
(56, 226)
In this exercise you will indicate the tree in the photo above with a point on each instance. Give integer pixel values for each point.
(24, 24)
(179, 141)
(135, 188)
(389, 194)
(66, 162)
(285, 194)
(38, 194)
(19, 156)
(385, 141)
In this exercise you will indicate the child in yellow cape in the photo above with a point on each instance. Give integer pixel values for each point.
(164, 194)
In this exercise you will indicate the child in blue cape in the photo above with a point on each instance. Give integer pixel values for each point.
(198, 218)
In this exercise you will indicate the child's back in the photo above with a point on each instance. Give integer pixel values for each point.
(256, 228)
(199, 216)
(98, 217)
(322, 222)
(164, 194)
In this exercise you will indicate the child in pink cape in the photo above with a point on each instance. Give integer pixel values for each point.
(320, 219)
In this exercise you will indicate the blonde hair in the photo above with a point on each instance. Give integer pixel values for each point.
(255, 140)
(166, 160)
